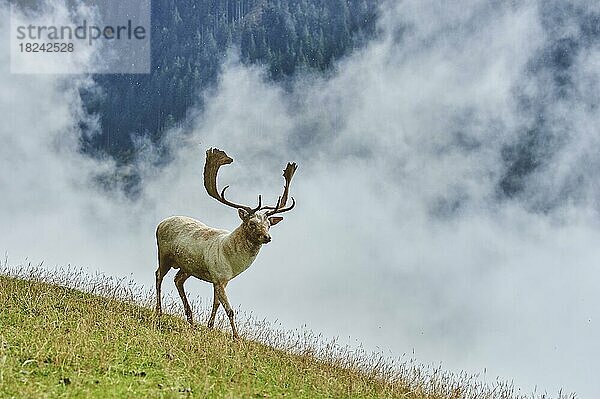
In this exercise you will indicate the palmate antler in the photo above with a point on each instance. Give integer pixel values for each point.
(216, 158)
(288, 173)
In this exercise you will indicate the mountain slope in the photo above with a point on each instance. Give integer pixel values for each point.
(63, 342)
(190, 41)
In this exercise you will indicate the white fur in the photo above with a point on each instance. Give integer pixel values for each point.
(210, 254)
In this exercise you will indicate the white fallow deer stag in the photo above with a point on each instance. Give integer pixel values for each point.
(216, 255)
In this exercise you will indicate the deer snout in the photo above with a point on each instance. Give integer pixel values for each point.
(265, 238)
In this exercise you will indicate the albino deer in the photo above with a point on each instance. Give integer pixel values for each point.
(216, 255)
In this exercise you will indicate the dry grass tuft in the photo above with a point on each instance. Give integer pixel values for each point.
(67, 333)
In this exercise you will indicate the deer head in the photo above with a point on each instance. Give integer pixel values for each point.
(255, 222)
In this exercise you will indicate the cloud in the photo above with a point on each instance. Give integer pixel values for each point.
(400, 238)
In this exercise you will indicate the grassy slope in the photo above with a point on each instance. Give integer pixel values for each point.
(60, 342)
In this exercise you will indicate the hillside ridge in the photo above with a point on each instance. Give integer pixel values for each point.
(59, 341)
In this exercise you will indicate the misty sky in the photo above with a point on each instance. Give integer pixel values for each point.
(401, 238)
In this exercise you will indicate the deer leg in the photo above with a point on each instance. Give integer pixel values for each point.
(180, 278)
(220, 290)
(215, 307)
(160, 274)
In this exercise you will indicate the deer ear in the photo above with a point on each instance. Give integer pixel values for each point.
(243, 213)
(273, 220)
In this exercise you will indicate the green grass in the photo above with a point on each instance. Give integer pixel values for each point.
(59, 342)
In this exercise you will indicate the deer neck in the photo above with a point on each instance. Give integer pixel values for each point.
(239, 250)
